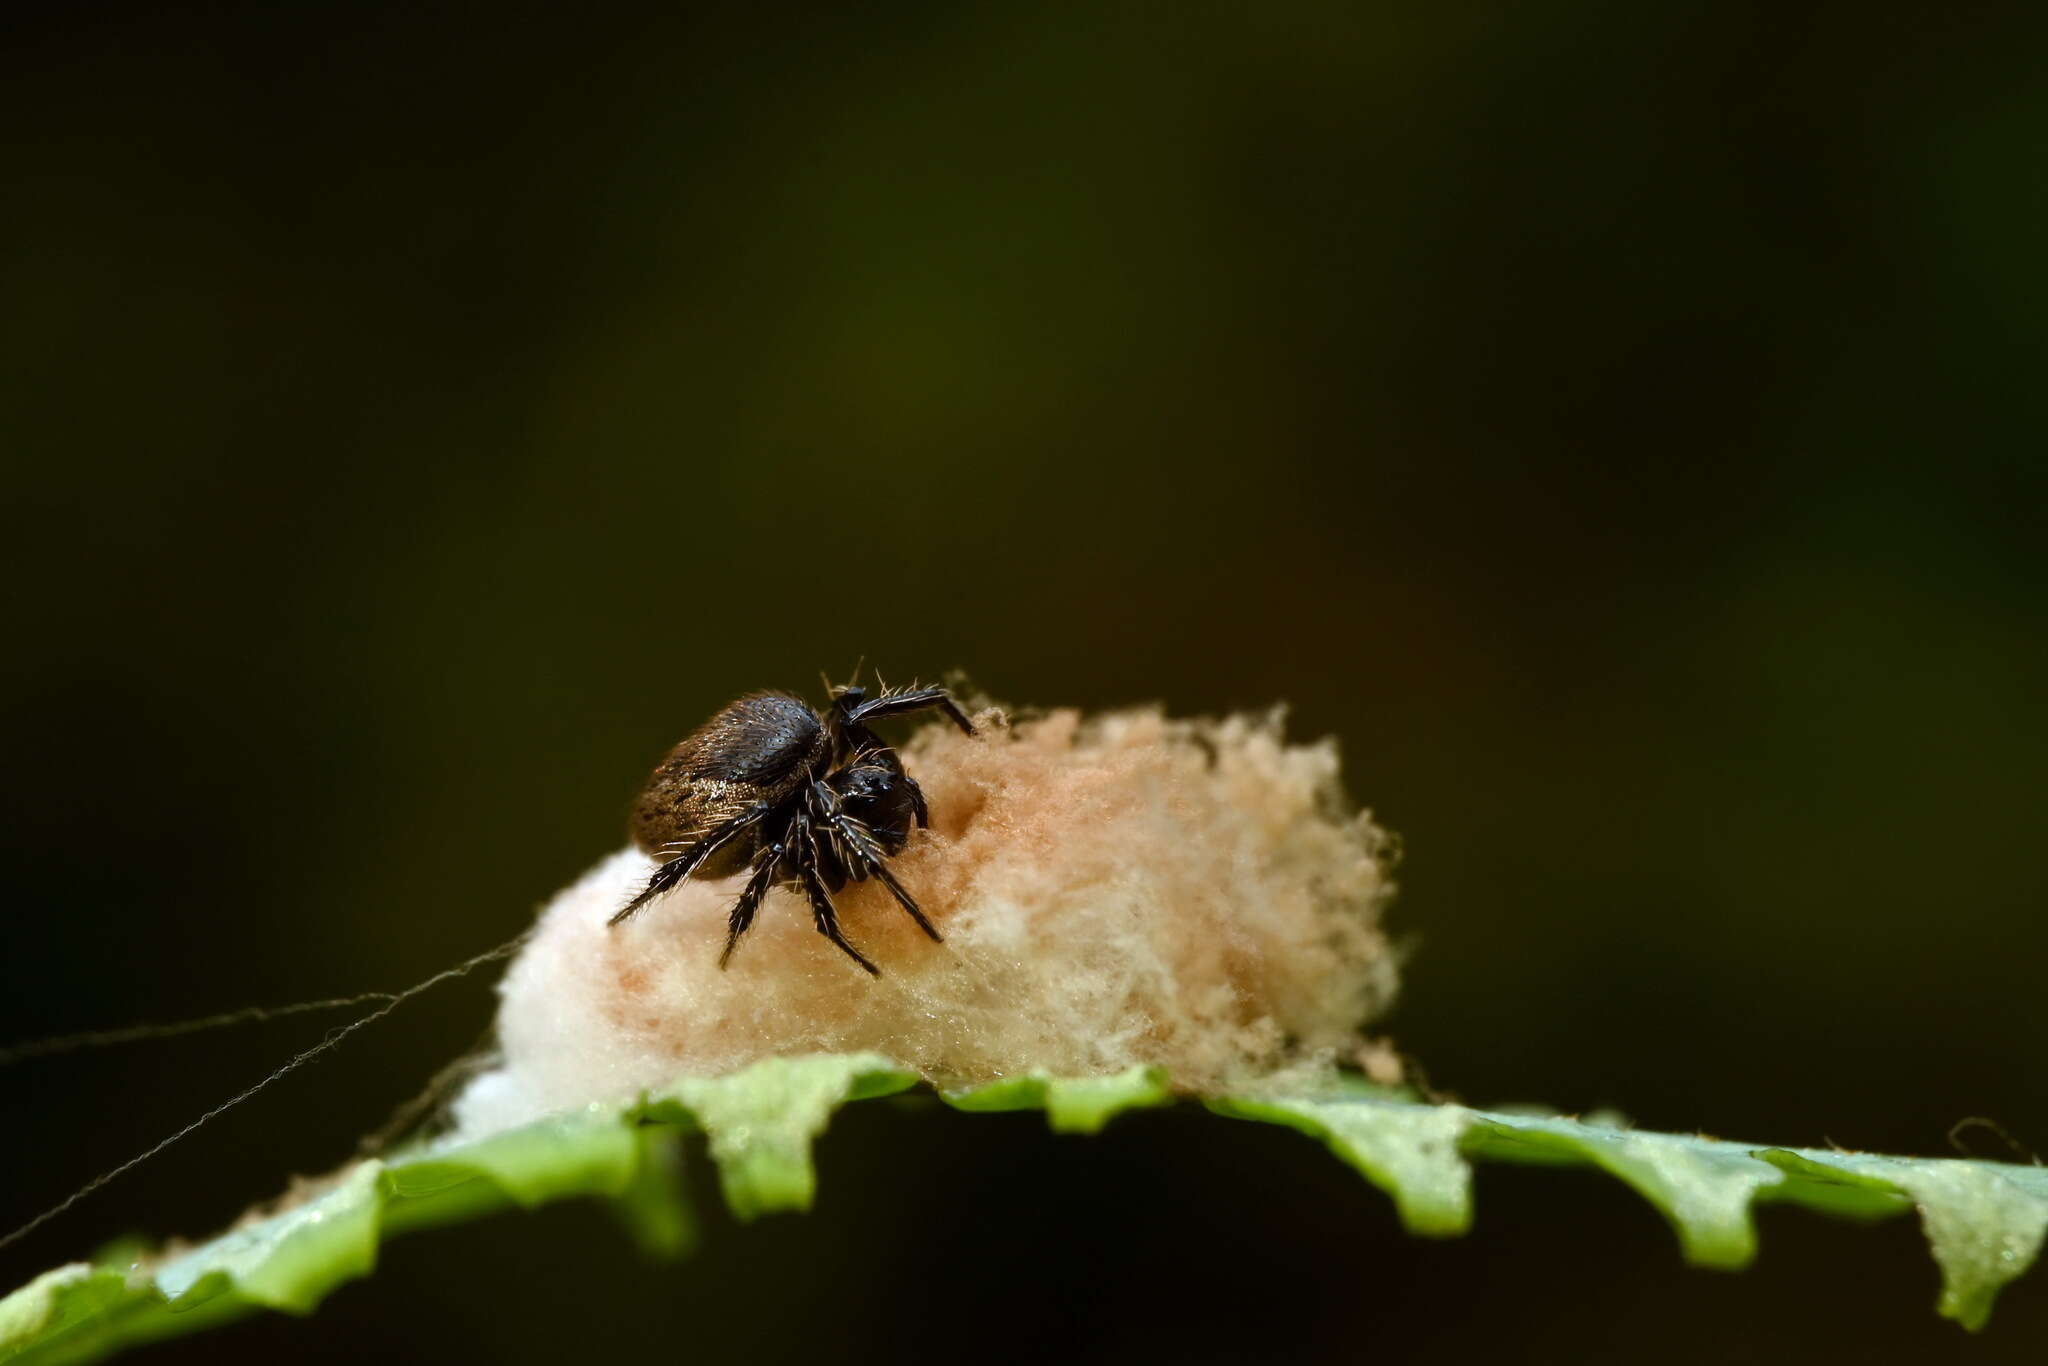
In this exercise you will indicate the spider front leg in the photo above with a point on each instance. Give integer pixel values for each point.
(860, 853)
(690, 860)
(909, 700)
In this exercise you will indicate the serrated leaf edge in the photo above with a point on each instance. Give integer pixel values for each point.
(1985, 1221)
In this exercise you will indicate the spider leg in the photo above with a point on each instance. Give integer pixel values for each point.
(858, 851)
(905, 900)
(690, 860)
(909, 700)
(742, 917)
(826, 917)
(823, 913)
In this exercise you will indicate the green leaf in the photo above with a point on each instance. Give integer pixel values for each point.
(1408, 1151)
(761, 1121)
(1984, 1220)
(1073, 1105)
(654, 1207)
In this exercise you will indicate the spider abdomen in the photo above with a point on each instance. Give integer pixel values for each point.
(759, 749)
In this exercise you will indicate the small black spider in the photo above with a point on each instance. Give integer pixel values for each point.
(810, 799)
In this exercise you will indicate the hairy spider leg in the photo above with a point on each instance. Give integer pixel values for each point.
(863, 857)
(850, 714)
(909, 700)
(691, 859)
(742, 918)
(904, 899)
(823, 913)
(827, 920)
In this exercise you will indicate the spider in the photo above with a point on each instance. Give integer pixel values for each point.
(809, 799)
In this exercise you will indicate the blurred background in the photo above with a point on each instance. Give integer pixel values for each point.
(1620, 425)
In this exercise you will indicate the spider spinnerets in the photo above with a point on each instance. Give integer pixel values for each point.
(808, 799)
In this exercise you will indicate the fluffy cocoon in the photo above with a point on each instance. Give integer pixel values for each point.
(1121, 890)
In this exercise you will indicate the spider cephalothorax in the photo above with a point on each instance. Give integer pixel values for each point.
(807, 799)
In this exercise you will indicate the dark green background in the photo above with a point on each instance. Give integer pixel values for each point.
(1620, 424)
